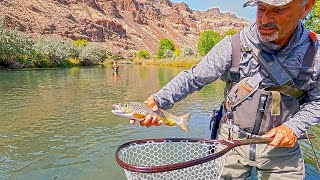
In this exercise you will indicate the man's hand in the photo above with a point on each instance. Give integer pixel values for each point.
(150, 120)
(281, 136)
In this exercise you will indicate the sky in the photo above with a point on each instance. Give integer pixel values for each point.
(233, 6)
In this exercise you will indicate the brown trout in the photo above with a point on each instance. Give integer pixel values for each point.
(138, 111)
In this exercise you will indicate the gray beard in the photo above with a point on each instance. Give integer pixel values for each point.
(269, 38)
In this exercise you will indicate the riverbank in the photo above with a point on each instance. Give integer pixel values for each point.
(171, 62)
(168, 62)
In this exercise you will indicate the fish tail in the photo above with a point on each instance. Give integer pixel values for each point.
(184, 122)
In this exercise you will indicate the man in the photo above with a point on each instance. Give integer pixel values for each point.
(278, 32)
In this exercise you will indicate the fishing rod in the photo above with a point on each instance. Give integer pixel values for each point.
(313, 151)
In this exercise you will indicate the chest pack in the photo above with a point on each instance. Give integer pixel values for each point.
(254, 110)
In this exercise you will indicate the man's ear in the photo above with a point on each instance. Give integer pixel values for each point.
(307, 8)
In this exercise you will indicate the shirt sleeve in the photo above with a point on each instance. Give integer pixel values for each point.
(209, 69)
(309, 113)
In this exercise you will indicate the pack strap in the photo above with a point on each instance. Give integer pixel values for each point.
(235, 57)
(276, 103)
(259, 114)
(272, 66)
(288, 91)
(308, 61)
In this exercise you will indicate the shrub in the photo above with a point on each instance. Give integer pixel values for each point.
(143, 54)
(177, 52)
(207, 40)
(168, 53)
(81, 42)
(53, 50)
(15, 47)
(187, 51)
(1, 22)
(72, 62)
(92, 54)
(72, 50)
(45, 62)
(165, 44)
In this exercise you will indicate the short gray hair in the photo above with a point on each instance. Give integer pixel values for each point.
(304, 2)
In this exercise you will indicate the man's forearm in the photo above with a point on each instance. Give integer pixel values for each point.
(308, 115)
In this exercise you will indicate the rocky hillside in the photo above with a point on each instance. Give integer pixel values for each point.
(124, 25)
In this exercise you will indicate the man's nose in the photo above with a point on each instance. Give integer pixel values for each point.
(267, 17)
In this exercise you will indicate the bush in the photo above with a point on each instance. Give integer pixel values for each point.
(81, 42)
(15, 47)
(177, 52)
(1, 23)
(53, 51)
(207, 40)
(72, 62)
(187, 51)
(165, 44)
(73, 50)
(92, 54)
(143, 54)
(168, 53)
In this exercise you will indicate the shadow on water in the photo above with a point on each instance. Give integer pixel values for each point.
(57, 124)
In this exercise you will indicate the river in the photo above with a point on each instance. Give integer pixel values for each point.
(57, 123)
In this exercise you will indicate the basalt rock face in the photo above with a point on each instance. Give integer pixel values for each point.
(126, 26)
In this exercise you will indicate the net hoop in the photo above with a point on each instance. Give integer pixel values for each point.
(175, 166)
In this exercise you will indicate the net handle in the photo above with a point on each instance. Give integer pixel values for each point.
(171, 167)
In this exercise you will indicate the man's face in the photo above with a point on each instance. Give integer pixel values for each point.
(277, 23)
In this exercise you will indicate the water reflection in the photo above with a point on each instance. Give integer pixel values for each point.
(57, 124)
(116, 75)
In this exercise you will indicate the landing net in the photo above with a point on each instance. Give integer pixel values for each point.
(171, 159)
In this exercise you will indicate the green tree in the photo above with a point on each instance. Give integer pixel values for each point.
(164, 46)
(143, 54)
(207, 40)
(231, 31)
(312, 21)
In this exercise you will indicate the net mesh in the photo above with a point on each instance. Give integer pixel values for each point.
(166, 153)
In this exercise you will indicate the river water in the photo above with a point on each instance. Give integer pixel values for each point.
(57, 123)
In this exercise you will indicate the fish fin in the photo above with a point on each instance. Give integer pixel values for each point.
(184, 122)
(138, 116)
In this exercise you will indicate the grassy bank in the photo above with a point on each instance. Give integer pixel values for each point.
(186, 62)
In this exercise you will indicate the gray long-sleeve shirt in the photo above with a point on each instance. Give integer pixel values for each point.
(216, 64)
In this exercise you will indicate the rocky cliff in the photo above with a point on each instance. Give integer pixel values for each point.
(124, 25)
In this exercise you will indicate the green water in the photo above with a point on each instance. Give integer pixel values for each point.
(57, 124)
